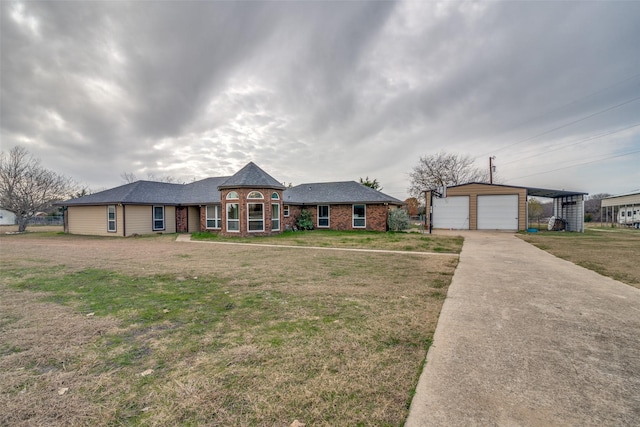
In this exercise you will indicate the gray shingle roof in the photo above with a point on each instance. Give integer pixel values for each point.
(251, 176)
(149, 192)
(336, 193)
(203, 191)
(206, 191)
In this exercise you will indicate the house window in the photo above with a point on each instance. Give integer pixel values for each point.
(285, 210)
(233, 217)
(275, 196)
(232, 195)
(255, 216)
(275, 217)
(323, 215)
(214, 219)
(111, 218)
(255, 195)
(158, 218)
(359, 216)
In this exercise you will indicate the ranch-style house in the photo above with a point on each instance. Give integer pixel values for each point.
(249, 203)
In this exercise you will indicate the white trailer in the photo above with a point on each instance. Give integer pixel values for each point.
(629, 216)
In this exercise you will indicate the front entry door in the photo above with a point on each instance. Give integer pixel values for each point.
(182, 222)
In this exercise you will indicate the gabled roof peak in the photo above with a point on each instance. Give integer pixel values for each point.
(251, 176)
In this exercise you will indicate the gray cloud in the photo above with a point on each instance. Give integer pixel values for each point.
(315, 91)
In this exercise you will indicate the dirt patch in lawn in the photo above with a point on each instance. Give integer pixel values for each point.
(150, 331)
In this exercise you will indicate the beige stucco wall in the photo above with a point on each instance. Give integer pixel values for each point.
(92, 220)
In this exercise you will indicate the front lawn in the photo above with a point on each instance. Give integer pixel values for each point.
(610, 252)
(112, 331)
(415, 242)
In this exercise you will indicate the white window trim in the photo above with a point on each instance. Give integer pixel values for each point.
(249, 220)
(275, 196)
(232, 195)
(114, 220)
(285, 211)
(154, 219)
(234, 220)
(328, 217)
(272, 217)
(255, 195)
(217, 217)
(353, 216)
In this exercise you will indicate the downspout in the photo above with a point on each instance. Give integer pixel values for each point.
(124, 222)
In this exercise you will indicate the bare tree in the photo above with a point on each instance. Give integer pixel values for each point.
(164, 178)
(27, 188)
(129, 177)
(437, 170)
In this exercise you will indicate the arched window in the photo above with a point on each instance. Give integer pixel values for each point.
(275, 196)
(255, 195)
(232, 195)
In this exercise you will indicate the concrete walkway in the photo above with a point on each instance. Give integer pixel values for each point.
(528, 339)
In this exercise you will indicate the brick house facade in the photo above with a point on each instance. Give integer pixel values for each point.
(248, 203)
(341, 217)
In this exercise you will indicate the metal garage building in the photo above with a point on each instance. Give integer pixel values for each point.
(479, 206)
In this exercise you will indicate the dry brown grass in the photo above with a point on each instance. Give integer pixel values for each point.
(610, 252)
(267, 335)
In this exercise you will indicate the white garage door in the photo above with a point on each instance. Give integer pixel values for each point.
(451, 212)
(498, 212)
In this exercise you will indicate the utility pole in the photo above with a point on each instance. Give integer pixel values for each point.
(492, 168)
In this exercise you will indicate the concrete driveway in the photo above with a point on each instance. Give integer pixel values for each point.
(528, 339)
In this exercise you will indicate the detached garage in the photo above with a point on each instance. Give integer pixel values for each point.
(479, 206)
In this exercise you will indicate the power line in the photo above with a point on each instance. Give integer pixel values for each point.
(579, 164)
(591, 138)
(564, 125)
(575, 101)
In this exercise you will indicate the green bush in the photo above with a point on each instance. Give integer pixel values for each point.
(305, 221)
(398, 220)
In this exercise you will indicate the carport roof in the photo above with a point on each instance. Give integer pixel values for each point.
(532, 191)
(552, 194)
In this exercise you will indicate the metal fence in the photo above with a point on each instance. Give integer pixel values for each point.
(46, 220)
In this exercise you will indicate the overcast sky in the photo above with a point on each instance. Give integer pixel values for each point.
(325, 91)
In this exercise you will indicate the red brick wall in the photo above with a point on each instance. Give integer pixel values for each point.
(341, 217)
(242, 202)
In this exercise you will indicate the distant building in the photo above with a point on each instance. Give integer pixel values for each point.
(622, 208)
(7, 217)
